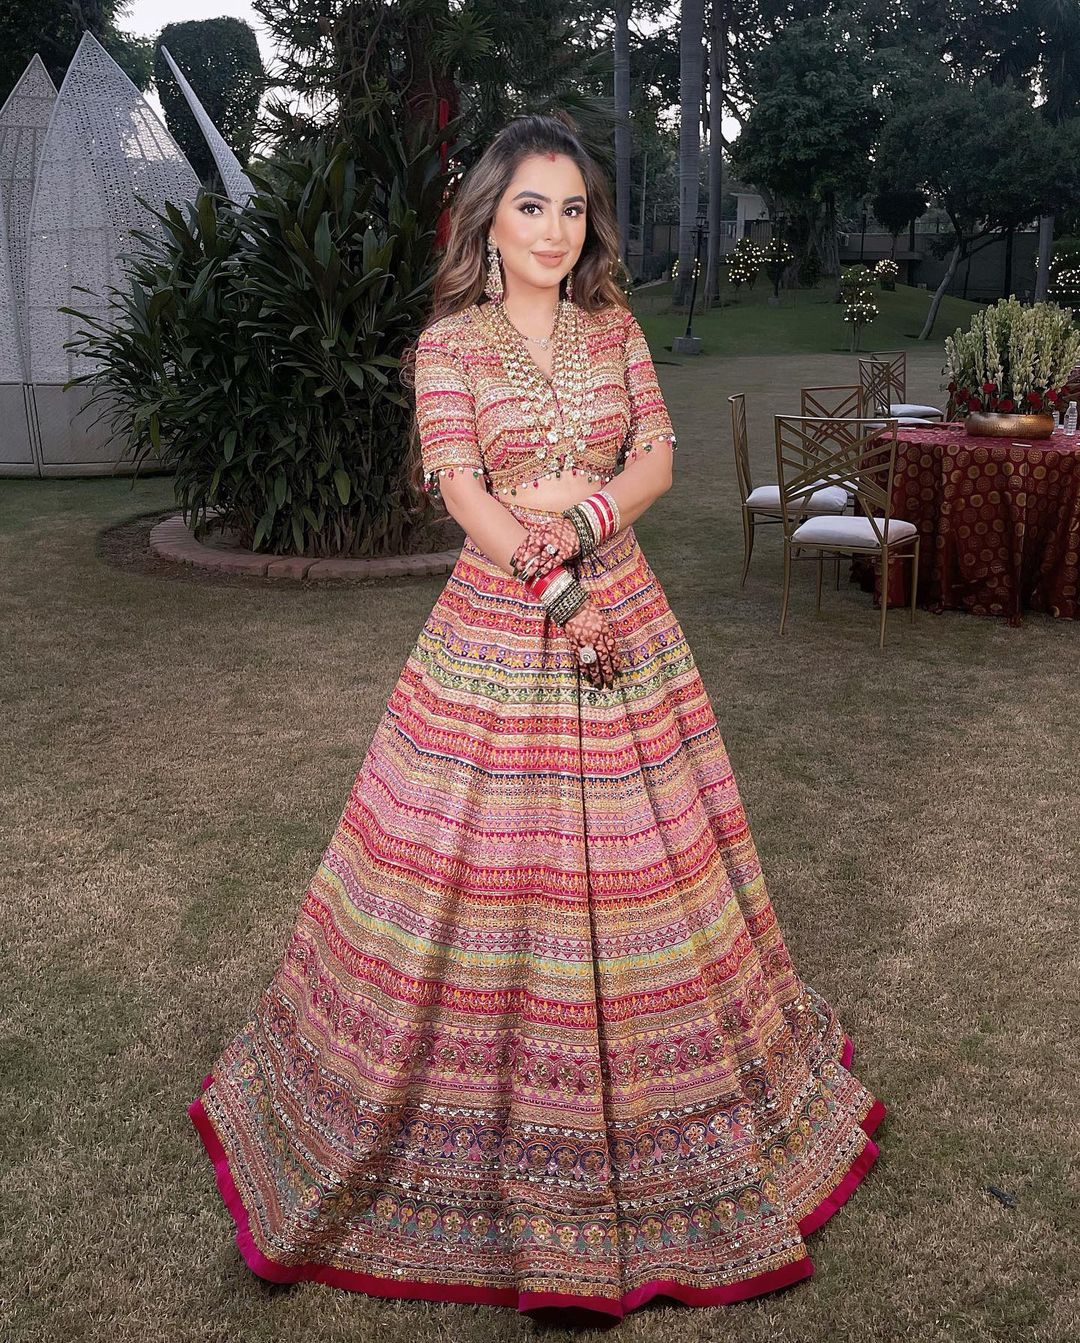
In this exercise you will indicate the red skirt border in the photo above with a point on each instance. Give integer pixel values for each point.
(525, 1301)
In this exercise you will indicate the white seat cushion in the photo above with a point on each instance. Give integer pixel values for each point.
(856, 532)
(901, 420)
(913, 408)
(830, 499)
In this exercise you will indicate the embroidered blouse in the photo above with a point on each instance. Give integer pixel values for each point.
(471, 417)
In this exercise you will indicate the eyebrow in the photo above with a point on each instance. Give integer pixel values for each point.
(540, 196)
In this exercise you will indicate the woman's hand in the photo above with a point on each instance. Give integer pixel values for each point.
(559, 532)
(590, 625)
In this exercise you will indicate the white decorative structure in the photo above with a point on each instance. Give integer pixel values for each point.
(72, 165)
(104, 147)
(236, 182)
(24, 119)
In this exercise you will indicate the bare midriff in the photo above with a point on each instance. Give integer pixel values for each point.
(552, 494)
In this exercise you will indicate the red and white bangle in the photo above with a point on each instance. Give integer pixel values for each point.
(600, 515)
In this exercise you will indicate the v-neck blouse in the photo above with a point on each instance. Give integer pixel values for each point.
(471, 416)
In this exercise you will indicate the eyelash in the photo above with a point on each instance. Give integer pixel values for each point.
(537, 206)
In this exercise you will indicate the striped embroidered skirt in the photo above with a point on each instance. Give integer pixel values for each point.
(536, 1039)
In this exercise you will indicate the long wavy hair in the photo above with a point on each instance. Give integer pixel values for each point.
(462, 271)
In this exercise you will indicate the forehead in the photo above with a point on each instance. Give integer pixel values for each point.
(554, 175)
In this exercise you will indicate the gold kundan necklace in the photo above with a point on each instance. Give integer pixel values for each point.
(556, 406)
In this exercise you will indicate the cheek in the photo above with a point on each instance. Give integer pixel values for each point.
(519, 229)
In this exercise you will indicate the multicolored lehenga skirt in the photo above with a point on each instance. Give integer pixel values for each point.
(536, 1039)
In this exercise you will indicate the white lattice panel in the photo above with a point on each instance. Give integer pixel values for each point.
(105, 145)
(24, 119)
(11, 355)
(235, 181)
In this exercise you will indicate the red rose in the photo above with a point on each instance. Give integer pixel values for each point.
(989, 387)
(1007, 404)
(952, 386)
(1036, 400)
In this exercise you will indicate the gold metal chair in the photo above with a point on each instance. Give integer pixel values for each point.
(883, 379)
(862, 454)
(764, 500)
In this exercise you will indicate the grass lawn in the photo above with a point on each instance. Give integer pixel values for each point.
(807, 321)
(177, 752)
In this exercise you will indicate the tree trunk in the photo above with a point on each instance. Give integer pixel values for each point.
(622, 125)
(691, 67)
(831, 251)
(1046, 243)
(718, 31)
(939, 293)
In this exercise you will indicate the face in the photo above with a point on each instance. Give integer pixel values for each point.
(539, 225)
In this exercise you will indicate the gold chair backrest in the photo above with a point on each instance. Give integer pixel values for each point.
(830, 402)
(876, 386)
(858, 454)
(897, 362)
(741, 442)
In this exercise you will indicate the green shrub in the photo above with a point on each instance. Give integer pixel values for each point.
(256, 348)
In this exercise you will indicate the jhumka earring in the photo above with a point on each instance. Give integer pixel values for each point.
(493, 285)
(570, 285)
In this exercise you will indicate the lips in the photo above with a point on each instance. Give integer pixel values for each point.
(550, 258)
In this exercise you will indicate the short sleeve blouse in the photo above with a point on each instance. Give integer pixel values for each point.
(470, 416)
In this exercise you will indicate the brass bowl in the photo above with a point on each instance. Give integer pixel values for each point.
(993, 424)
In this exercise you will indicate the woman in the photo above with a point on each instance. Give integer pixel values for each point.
(536, 1039)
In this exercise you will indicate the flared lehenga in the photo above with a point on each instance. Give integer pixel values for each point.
(536, 1039)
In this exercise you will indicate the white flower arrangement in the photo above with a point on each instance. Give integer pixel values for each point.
(1013, 359)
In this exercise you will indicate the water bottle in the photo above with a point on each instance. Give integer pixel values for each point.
(1070, 418)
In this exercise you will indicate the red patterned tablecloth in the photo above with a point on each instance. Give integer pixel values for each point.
(1000, 523)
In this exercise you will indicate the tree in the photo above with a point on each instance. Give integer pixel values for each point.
(720, 12)
(808, 138)
(220, 59)
(896, 208)
(54, 28)
(622, 123)
(485, 61)
(691, 70)
(987, 157)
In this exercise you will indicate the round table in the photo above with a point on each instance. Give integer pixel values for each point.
(999, 521)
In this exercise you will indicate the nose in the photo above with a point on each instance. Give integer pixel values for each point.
(556, 234)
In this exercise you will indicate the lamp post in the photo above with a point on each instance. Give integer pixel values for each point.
(691, 344)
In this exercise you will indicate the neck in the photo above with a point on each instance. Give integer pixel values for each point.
(532, 310)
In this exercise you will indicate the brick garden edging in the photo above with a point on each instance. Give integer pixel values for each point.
(172, 540)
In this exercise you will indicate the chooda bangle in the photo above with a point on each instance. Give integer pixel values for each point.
(602, 514)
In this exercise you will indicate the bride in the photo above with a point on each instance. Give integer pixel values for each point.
(535, 1039)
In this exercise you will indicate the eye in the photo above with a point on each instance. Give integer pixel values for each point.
(535, 205)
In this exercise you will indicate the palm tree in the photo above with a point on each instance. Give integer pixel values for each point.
(622, 124)
(691, 71)
(719, 20)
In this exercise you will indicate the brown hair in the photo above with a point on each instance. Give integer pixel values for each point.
(459, 280)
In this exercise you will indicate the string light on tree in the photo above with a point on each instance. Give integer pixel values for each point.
(857, 292)
(744, 262)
